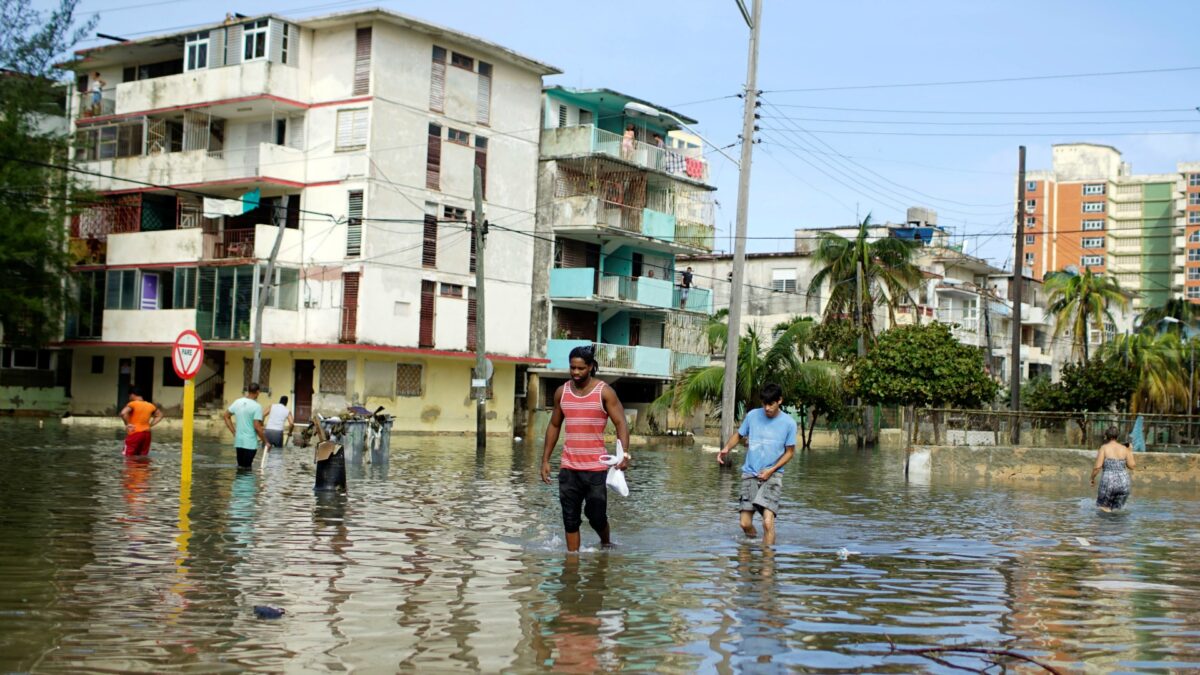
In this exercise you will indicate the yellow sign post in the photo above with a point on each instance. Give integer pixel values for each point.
(189, 405)
(187, 355)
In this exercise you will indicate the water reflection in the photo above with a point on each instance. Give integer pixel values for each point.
(444, 560)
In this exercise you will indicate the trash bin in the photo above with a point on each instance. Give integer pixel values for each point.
(330, 458)
(379, 438)
(350, 433)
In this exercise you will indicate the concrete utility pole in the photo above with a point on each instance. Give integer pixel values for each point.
(264, 293)
(868, 413)
(729, 389)
(480, 382)
(1017, 279)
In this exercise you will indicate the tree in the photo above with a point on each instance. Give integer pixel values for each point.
(835, 340)
(922, 366)
(33, 197)
(1176, 315)
(818, 389)
(1095, 386)
(888, 273)
(1081, 301)
(1156, 362)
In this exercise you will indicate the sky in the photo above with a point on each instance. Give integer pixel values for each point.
(815, 164)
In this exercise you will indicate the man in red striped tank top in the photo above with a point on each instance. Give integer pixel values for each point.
(586, 404)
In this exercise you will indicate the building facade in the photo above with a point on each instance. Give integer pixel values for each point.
(347, 144)
(616, 205)
(1090, 211)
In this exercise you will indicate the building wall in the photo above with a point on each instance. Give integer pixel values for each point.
(1191, 225)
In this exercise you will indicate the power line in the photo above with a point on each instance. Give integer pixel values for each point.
(947, 83)
(979, 124)
(983, 112)
(986, 135)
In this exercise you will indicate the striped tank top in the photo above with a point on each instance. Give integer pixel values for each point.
(585, 421)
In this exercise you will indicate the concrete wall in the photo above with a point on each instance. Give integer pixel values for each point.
(1047, 464)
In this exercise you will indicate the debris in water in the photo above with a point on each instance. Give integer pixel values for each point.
(1082, 541)
(267, 612)
(844, 553)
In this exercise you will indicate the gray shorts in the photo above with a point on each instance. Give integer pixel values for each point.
(274, 437)
(758, 495)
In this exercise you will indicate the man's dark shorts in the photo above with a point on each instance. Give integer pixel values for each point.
(245, 457)
(577, 487)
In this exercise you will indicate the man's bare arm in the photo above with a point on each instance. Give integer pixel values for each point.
(552, 431)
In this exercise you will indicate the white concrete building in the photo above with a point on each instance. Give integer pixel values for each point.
(359, 133)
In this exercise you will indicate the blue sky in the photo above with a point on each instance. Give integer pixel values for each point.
(674, 53)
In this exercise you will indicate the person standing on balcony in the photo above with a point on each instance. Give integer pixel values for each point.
(139, 415)
(279, 420)
(627, 143)
(772, 437)
(685, 285)
(586, 404)
(97, 87)
(249, 428)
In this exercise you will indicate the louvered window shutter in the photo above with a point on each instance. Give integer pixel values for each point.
(233, 45)
(483, 107)
(437, 80)
(471, 314)
(354, 213)
(429, 241)
(427, 314)
(433, 159)
(352, 128)
(362, 61)
(349, 331)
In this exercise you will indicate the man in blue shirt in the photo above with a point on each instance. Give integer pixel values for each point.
(772, 442)
(249, 428)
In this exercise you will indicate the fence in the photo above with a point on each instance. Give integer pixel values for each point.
(1085, 430)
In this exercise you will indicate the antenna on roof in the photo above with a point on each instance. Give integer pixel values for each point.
(114, 38)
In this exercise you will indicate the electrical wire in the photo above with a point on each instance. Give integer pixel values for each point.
(948, 83)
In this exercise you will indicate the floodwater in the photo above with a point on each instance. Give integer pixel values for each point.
(441, 562)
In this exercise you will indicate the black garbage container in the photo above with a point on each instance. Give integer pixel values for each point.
(330, 458)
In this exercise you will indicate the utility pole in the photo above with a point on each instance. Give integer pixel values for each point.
(750, 109)
(264, 292)
(1016, 290)
(867, 418)
(987, 331)
(480, 234)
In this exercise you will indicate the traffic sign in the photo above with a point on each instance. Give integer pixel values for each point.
(187, 355)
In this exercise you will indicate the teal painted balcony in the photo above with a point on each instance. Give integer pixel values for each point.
(698, 300)
(614, 359)
(586, 139)
(682, 361)
(588, 213)
(580, 287)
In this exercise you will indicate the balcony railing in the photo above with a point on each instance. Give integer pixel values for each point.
(91, 106)
(614, 359)
(584, 283)
(587, 139)
(233, 244)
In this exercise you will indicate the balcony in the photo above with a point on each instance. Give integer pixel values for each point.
(586, 139)
(150, 325)
(908, 315)
(239, 85)
(150, 248)
(265, 161)
(592, 218)
(582, 287)
(614, 359)
(253, 242)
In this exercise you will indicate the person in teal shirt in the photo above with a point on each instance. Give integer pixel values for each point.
(772, 443)
(248, 429)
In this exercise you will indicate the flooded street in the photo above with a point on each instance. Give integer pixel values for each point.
(439, 562)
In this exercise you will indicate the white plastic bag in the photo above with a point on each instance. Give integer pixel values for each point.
(616, 477)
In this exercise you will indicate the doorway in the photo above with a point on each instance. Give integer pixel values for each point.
(124, 381)
(143, 376)
(303, 387)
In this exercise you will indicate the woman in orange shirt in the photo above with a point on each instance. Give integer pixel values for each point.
(139, 415)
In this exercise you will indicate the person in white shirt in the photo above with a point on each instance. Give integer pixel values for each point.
(278, 419)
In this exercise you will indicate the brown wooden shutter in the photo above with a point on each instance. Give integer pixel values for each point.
(577, 324)
(433, 158)
(427, 313)
(354, 212)
(429, 242)
(362, 61)
(483, 103)
(437, 80)
(471, 309)
(349, 332)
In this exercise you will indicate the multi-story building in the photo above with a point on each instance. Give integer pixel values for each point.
(1090, 211)
(358, 134)
(616, 206)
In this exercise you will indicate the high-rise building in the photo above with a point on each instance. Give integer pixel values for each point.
(1090, 211)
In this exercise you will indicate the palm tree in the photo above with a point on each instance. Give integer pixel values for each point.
(1158, 360)
(888, 272)
(1181, 316)
(1080, 301)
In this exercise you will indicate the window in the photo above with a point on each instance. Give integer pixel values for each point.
(1093, 242)
(1092, 260)
(264, 373)
(433, 158)
(184, 288)
(1193, 273)
(254, 40)
(122, 290)
(98, 364)
(1028, 258)
(430, 237)
(284, 290)
(1093, 207)
(352, 129)
(1029, 239)
(428, 316)
(1030, 204)
(562, 115)
(1194, 179)
(333, 377)
(196, 51)
(87, 321)
(783, 280)
(1090, 225)
(362, 61)
(1194, 238)
(458, 136)
(1193, 255)
(472, 326)
(169, 378)
(437, 80)
(1194, 198)
(27, 359)
(354, 211)
(1031, 186)
(483, 94)
(1030, 221)
(1193, 217)
(1094, 189)
(1193, 292)
(454, 213)
(452, 291)
(111, 141)
(408, 379)
(285, 43)
(349, 328)
(461, 61)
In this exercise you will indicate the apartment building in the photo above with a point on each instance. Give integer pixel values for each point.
(619, 204)
(356, 133)
(1090, 211)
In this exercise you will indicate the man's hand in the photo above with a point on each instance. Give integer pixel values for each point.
(721, 456)
(765, 474)
(625, 462)
(129, 430)
(546, 472)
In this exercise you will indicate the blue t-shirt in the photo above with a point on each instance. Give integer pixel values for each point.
(245, 411)
(769, 436)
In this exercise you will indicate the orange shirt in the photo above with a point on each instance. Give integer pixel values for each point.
(140, 414)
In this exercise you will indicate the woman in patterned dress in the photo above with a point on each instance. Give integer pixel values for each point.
(1114, 461)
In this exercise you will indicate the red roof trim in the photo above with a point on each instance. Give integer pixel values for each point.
(227, 181)
(300, 346)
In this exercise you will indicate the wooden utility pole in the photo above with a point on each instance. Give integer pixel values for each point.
(1016, 289)
(732, 341)
(264, 293)
(868, 418)
(480, 383)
